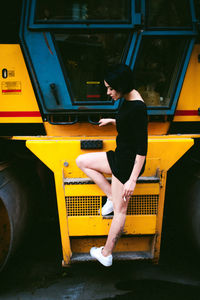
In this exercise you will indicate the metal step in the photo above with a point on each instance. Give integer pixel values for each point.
(69, 181)
(140, 255)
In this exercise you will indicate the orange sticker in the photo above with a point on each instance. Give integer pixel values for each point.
(11, 88)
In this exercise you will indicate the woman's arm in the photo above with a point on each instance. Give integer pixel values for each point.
(103, 122)
(129, 186)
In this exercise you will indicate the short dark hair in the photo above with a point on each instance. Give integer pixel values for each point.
(120, 78)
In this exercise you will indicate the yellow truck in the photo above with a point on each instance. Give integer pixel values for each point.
(52, 96)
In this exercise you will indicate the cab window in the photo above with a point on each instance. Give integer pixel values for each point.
(158, 67)
(162, 13)
(83, 10)
(84, 58)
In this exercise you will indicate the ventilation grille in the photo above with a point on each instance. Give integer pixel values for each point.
(90, 205)
(143, 205)
(83, 205)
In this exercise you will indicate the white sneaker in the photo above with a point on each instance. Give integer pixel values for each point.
(107, 208)
(104, 260)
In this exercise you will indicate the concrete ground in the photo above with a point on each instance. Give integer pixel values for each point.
(44, 280)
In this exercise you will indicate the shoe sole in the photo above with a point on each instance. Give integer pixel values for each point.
(107, 213)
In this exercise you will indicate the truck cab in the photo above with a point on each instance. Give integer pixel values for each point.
(68, 46)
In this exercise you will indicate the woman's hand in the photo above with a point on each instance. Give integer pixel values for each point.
(129, 187)
(103, 122)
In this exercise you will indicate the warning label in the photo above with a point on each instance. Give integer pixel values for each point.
(11, 88)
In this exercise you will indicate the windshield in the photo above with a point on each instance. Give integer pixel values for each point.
(82, 10)
(157, 68)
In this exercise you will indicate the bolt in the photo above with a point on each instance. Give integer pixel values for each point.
(66, 164)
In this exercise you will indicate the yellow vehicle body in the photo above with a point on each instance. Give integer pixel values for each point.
(18, 102)
(79, 200)
(188, 103)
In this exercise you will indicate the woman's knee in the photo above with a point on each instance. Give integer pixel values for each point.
(81, 161)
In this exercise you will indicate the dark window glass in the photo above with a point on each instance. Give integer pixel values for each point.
(197, 9)
(157, 68)
(84, 57)
(10, 19)
(83, 10)
(137, 6)
(168, 13)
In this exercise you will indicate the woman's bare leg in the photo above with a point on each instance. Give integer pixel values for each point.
(120, 209)
(94, 165)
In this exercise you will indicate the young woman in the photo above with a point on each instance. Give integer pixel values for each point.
(126, 163)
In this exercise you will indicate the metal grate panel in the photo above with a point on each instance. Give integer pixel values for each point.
(90, 205)
(83, 205)
(143, 205)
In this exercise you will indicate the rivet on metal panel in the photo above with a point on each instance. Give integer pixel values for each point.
(66, 164)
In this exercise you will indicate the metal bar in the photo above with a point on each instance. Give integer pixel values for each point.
(69, 181)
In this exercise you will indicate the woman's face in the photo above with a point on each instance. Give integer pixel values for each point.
(111, 92)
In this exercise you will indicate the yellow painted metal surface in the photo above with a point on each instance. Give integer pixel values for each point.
(53, 138)
(158, 128)
(168, 150)
(17, 99)
(92, 189)
(80, 130)
(159, 222)
(131, 243)
(188, 102)
(162, 153)
(90, 130)
(63, 220)
(83, 226)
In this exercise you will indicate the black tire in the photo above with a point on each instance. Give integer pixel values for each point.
(193, 204)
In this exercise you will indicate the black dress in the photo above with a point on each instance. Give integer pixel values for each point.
(131, 124)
